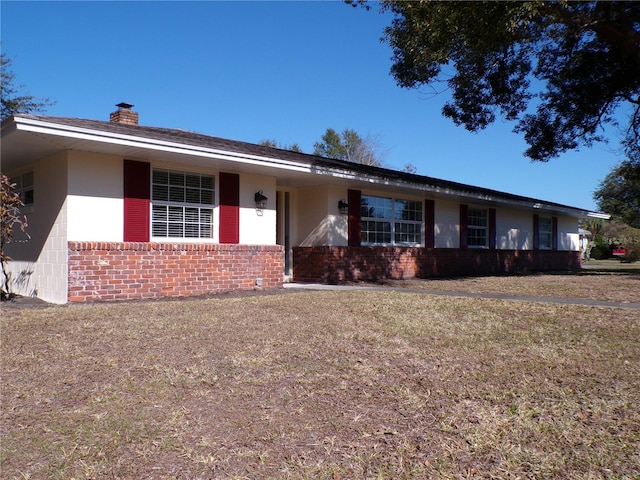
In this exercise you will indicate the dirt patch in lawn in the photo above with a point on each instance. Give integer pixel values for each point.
(337, 385)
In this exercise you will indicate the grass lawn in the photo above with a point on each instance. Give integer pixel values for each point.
(330, 385)
(608, 280)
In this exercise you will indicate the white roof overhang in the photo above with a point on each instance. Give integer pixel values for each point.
(25, 140)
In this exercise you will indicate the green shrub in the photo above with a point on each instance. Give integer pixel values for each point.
(601, 250)
(632, 254)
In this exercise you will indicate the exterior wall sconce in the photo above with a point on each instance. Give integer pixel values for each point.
(343, 207)
(261, 200)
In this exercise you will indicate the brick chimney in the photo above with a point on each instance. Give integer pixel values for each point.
(124, 115)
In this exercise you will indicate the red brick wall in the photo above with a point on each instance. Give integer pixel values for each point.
(343, 264)
(132, 270)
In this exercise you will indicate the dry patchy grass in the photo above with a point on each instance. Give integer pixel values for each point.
(335, 385)
(604, 280)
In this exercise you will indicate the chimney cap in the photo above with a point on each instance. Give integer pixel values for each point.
(124, 105)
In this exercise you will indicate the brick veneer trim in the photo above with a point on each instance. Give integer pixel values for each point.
(133, 270)
(344, 264)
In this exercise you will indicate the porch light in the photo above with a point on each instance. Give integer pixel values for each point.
(343, 207)
(261, 200)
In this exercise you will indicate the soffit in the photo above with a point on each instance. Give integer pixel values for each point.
(33, 137)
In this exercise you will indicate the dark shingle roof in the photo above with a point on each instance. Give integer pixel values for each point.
(206, 141)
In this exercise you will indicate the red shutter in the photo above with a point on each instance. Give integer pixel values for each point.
(355, 222)
(464, 221)
(536, 231)
(492, 228)
(229, 231)
(137, 199)
(429, 224)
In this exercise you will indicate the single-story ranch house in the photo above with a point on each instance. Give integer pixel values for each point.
(117, 210)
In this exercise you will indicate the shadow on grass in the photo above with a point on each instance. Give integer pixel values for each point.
(592, 268)
(595, 267)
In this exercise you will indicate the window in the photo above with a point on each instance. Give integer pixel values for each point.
(477, 228)
(545, 231)
(24, 187)
(388, 221)
(182, 204)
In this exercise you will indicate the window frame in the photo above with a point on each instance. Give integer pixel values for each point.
(23, 190)
(543, 233)
(388, 222)
(472, 227)
(198, 219)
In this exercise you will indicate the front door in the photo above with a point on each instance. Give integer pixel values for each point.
(283, 227)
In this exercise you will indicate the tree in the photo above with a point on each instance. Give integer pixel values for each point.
(11, 102)
(273, 144)
(584, 57)
(593, 225)
(619, 193)
(349, 146)
(10, 217)
(618, 233)
(410, 168)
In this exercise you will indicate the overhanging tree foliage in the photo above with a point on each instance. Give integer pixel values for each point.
(619, 193)
(10, 217)
(11, 102)
(349, 146)
(561, 70)
(274, 144)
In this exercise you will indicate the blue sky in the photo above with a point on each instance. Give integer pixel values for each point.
(285, 71)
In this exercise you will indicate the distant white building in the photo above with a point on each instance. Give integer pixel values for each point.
(585, 243)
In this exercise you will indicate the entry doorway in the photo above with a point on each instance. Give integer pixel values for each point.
(283, 230)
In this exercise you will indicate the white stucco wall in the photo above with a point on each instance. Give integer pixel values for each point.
(95, 202)
(338, 222)
(514, 230)
(319, 219)
(257, 227)
(310, 217)
(447, 224)
(568, 234)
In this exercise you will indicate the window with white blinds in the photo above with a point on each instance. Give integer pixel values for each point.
(182, 204)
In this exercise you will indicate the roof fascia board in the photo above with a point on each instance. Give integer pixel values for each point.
(598, 215)
(100, 136)
(47, 128)
(538, 205)
(78, 133)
